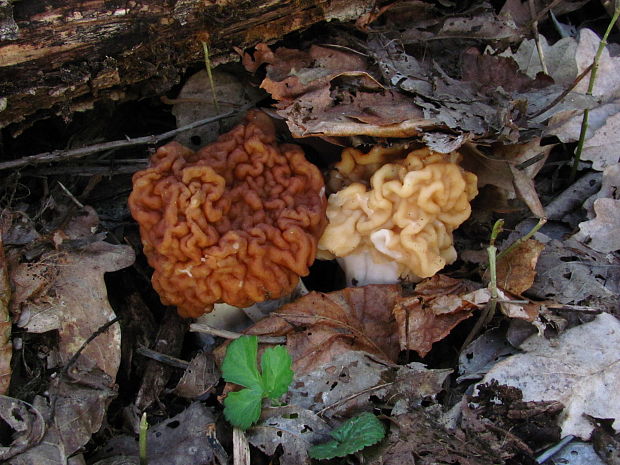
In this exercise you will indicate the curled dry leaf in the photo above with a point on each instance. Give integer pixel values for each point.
(76, 303)
(27, 423)
(313, 90)
(437, 306)
(69, 295)
(516, 271)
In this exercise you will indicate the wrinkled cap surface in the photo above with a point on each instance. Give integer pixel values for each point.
(403, 218)
(236, 222)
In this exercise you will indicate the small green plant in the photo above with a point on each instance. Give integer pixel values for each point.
(353, 435)
(242, 408)
(144, 428)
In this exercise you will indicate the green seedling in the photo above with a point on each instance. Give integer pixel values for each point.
(352, 436)
(586, 113)
(242, 408)
(144, 428)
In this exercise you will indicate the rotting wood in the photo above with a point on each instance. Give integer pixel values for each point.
(58, 57)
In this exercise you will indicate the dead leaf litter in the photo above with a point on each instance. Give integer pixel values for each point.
(495, 93)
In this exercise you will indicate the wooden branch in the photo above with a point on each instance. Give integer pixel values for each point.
(61, 56)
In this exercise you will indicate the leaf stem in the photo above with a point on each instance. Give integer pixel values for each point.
(489, 310)
(586, 112)
(522, 239)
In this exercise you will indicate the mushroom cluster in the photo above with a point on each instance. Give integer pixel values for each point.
(396, 221)
(237, 221)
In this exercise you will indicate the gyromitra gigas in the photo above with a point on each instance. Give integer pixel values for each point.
(400, 225)
(236, 222)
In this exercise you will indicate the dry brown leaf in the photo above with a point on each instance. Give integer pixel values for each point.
(517, 270)
(6, 345)
(195, 102)
(488, 72)
(347, 383)
(603, 232)
(69, 295)
(291, 428)
(526, 189)
(199, 378)
(76, 304)
(429, 315)
(319, 326)
(571, 273)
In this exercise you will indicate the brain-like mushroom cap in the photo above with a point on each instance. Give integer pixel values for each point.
(236, 222)
(406, 218)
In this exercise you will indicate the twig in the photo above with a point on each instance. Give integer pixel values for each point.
(70, 195)
(163, 358)
(489, 310)
(206, 329)
(586, 112)
(560, 97)
(62, 155)
(541, 53)
(546, 455)
(241, 448)
(352, 396)
(102, 329)
(547, 9)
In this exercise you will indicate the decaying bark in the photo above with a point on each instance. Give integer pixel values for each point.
(61, 56)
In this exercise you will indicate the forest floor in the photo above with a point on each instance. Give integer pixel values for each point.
(510, 354)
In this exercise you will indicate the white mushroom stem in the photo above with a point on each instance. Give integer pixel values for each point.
(360, 270)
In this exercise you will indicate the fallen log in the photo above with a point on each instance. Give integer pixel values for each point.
(62, 56)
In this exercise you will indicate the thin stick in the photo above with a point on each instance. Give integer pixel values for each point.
(586, 112)
(353, 396)
(144, 427)
(62, 155)
(522, 239)
(102, 329)
(70, 195)
(241, 448)
(162, 358)
(560, 97)
(206, 329)
(541, 54)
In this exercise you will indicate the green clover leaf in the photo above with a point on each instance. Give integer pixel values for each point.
(277, 373)
(242, 408)
(353, 435)
(239, 365)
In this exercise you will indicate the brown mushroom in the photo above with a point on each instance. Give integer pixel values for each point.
(236, 222)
